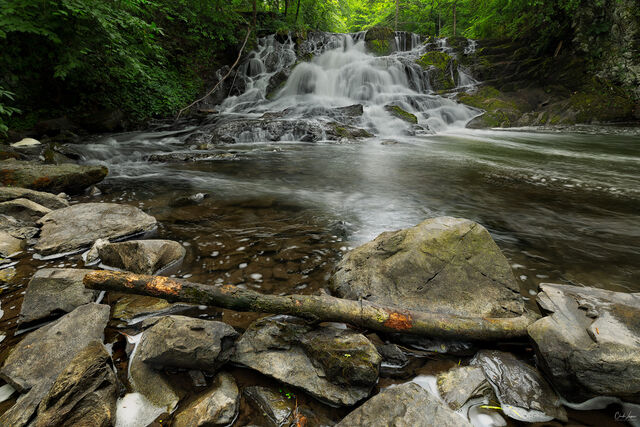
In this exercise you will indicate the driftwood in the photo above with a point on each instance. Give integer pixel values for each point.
(246, 38)
(325, 308)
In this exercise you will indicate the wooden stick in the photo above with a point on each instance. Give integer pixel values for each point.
(324, 308)
(246, 38)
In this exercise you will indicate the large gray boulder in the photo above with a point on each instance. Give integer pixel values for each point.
(77, 227)
(523, 393)
(47, 200)
(589, 344)
(445, 265)
(143, 256)
(53, 292)
(85, 393)
(334, 365)
(404, 405)
(69, 178)
(24, 210)
(35, 363)
(185, 342)
(216, 407)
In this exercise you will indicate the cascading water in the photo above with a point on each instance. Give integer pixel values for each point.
(342, 73)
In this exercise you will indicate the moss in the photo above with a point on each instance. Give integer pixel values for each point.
(441, 66)
(379, 40)
(398, 112)
(601, 107)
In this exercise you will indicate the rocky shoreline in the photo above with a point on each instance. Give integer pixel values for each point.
(177, 368)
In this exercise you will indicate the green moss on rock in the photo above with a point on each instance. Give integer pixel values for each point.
(398, 112)
(443, 69)
(379, 40)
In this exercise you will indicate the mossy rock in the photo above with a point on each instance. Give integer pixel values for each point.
(398, 112)
(601, 107)
(379, 40)
(349, 132)
(443, 68)
(501, 111)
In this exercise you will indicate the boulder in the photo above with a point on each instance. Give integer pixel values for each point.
(335, 365)
(445, 265)
(26, 142)
(461, 384)
(35, 363)
(401, 114)
(16, 229)
(77, 227)
(216, 407)
(84, 393)
(523, 393)
(185, 342)
(404, 405)
(442, 69)
(276, 408)
(47, 200)
(143, 256)
(9, 245)
(24, 210)
(7, 275)
(589, 344)
(380, 40)
(69, 178)
(53, 292)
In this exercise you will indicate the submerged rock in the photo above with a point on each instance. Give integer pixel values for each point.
(143, 256)
(445, 265)
(216, 407)
(24, 210)
(47, 200)
(459, 385)
(130, 307)
(191, 157)
(84, 393)
(589, 344)
(54, 291)
(275, 407)
(335, 365)
(54, 178)
(77, 227)
(404, 405)
(185, 342)
(523, 393)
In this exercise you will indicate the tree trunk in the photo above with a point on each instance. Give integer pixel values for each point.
(286, 7)
(324, 308)
(297, 11)
(397, 10)
(455, 3)
(255, 13)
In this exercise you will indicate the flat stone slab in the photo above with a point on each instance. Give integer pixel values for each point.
(216, 407)
(67, 177)
(75, 228)
(589, 344)
(445, 265)
(159, 257)
(47, 200)
(24, 210)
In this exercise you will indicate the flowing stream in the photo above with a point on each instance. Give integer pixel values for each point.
(273, 188)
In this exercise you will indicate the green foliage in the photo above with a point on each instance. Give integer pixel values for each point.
(5, 110)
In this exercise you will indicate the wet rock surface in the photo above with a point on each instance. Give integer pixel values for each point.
(589, 342)
(143, 256)
(24, 210)
(445, 265)
(521, 390)
(131, 307)
(274, 406)
(192, 157)
(69, 178)
(334, 365)
(459, 385)
(404, 405)
(185, 342)
(47, 200)
(9, 245)
(77, 227)
(215, 407)
(84, 393)
(53, 292)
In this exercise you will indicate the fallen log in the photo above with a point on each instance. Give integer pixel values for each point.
(324, 308)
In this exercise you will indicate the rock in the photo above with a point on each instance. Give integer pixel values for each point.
(54, 291)
(26, 142)
(274, 406)
(77, 227)
(24, 210)
(380, 40)
(159, 257)
(47, 200)
(53, 127)
(84, 393)
(459, 385)
(523, 393)
(107, 120)
(216, 407)
(93, 191)
(92, 255)
(7, 275)
(16, 229)
(9, 245)
(194, 199)
(54, 178)
(338, 131)
(404, 405)
(335, 365)
(151, 384)
(589, 344)
(185, 342)
(60, 341)
(21, 413)
(355, 110)
(191, 157)
(398, 112)
(442, 69)
(130, 306)
(445, 265)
